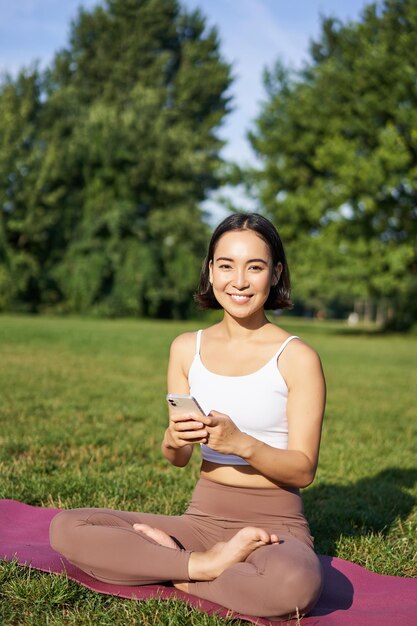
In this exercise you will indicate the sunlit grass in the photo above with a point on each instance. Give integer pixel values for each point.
(83, 411)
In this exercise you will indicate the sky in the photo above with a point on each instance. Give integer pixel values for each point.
(253, 34)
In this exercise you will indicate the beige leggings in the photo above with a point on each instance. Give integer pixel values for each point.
(274, 581)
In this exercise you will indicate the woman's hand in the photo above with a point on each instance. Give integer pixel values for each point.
(184, 430)
(223, 434)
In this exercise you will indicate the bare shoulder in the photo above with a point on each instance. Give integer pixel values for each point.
(298, 359)
(184, 346)
(298, 348)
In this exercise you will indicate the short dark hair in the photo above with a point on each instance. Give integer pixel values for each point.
(279, 295)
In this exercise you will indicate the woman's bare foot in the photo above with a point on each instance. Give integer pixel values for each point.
(157, 535)
(208, 565)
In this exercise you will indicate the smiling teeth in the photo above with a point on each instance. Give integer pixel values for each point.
(239, 297)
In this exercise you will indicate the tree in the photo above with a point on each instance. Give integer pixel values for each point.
(127, 126)
(338, 145)
(28, 219)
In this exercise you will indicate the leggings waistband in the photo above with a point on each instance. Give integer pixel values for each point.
(252, 504)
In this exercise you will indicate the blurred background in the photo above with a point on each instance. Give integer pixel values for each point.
(129, 128)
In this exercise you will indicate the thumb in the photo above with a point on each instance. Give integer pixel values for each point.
(214, 417)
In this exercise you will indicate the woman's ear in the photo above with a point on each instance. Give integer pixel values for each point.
(211, 272)
(276, 274)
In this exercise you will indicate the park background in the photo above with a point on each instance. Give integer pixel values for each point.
(116, 161)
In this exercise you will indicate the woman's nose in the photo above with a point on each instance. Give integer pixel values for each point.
(240, 280)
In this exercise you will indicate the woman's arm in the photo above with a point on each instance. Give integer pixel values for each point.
(302, 371)
(183, 430)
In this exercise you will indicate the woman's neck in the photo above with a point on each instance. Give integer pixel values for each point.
(243, 328)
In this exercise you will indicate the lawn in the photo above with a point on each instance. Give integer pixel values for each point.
(83, 411)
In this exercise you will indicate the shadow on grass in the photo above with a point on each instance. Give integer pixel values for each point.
(371, 505)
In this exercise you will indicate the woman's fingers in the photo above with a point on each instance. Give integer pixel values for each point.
(194, 417)
(190, 431)
(190, 425)
(194, 437)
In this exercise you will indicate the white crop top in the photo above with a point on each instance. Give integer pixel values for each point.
(255, 402)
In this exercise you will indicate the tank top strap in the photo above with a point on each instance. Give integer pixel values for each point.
(283, 345)
(198, 341)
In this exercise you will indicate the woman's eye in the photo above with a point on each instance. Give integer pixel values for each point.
(224, 266)
(256, 267)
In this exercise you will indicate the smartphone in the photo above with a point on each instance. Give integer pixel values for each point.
(184, 404)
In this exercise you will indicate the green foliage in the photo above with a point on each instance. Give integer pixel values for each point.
(23, 233)
(338, 144)
(107, 157)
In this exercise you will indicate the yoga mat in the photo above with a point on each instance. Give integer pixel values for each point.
(352, 595)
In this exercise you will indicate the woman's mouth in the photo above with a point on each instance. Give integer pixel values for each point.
(240, 298)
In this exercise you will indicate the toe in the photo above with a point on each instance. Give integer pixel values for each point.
(141, 527)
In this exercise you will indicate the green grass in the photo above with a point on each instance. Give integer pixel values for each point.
(83, 411)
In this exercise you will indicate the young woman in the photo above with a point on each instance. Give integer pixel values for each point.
(243, 542)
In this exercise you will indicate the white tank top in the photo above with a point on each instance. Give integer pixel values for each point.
(255, 402)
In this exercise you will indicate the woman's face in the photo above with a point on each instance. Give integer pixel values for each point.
(242, 273)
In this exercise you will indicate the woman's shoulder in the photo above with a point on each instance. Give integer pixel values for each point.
(184, 344)
(291, 347)
(297, 346)
(299, 358)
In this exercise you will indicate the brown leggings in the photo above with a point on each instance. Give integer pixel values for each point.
(274, 581)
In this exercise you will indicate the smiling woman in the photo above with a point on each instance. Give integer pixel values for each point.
(242, 246)
(262, 392)
(247, 275)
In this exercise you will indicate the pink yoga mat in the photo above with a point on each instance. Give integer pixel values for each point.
(352, 595)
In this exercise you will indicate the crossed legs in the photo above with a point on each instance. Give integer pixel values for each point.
(249, 572)
(135, 548)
